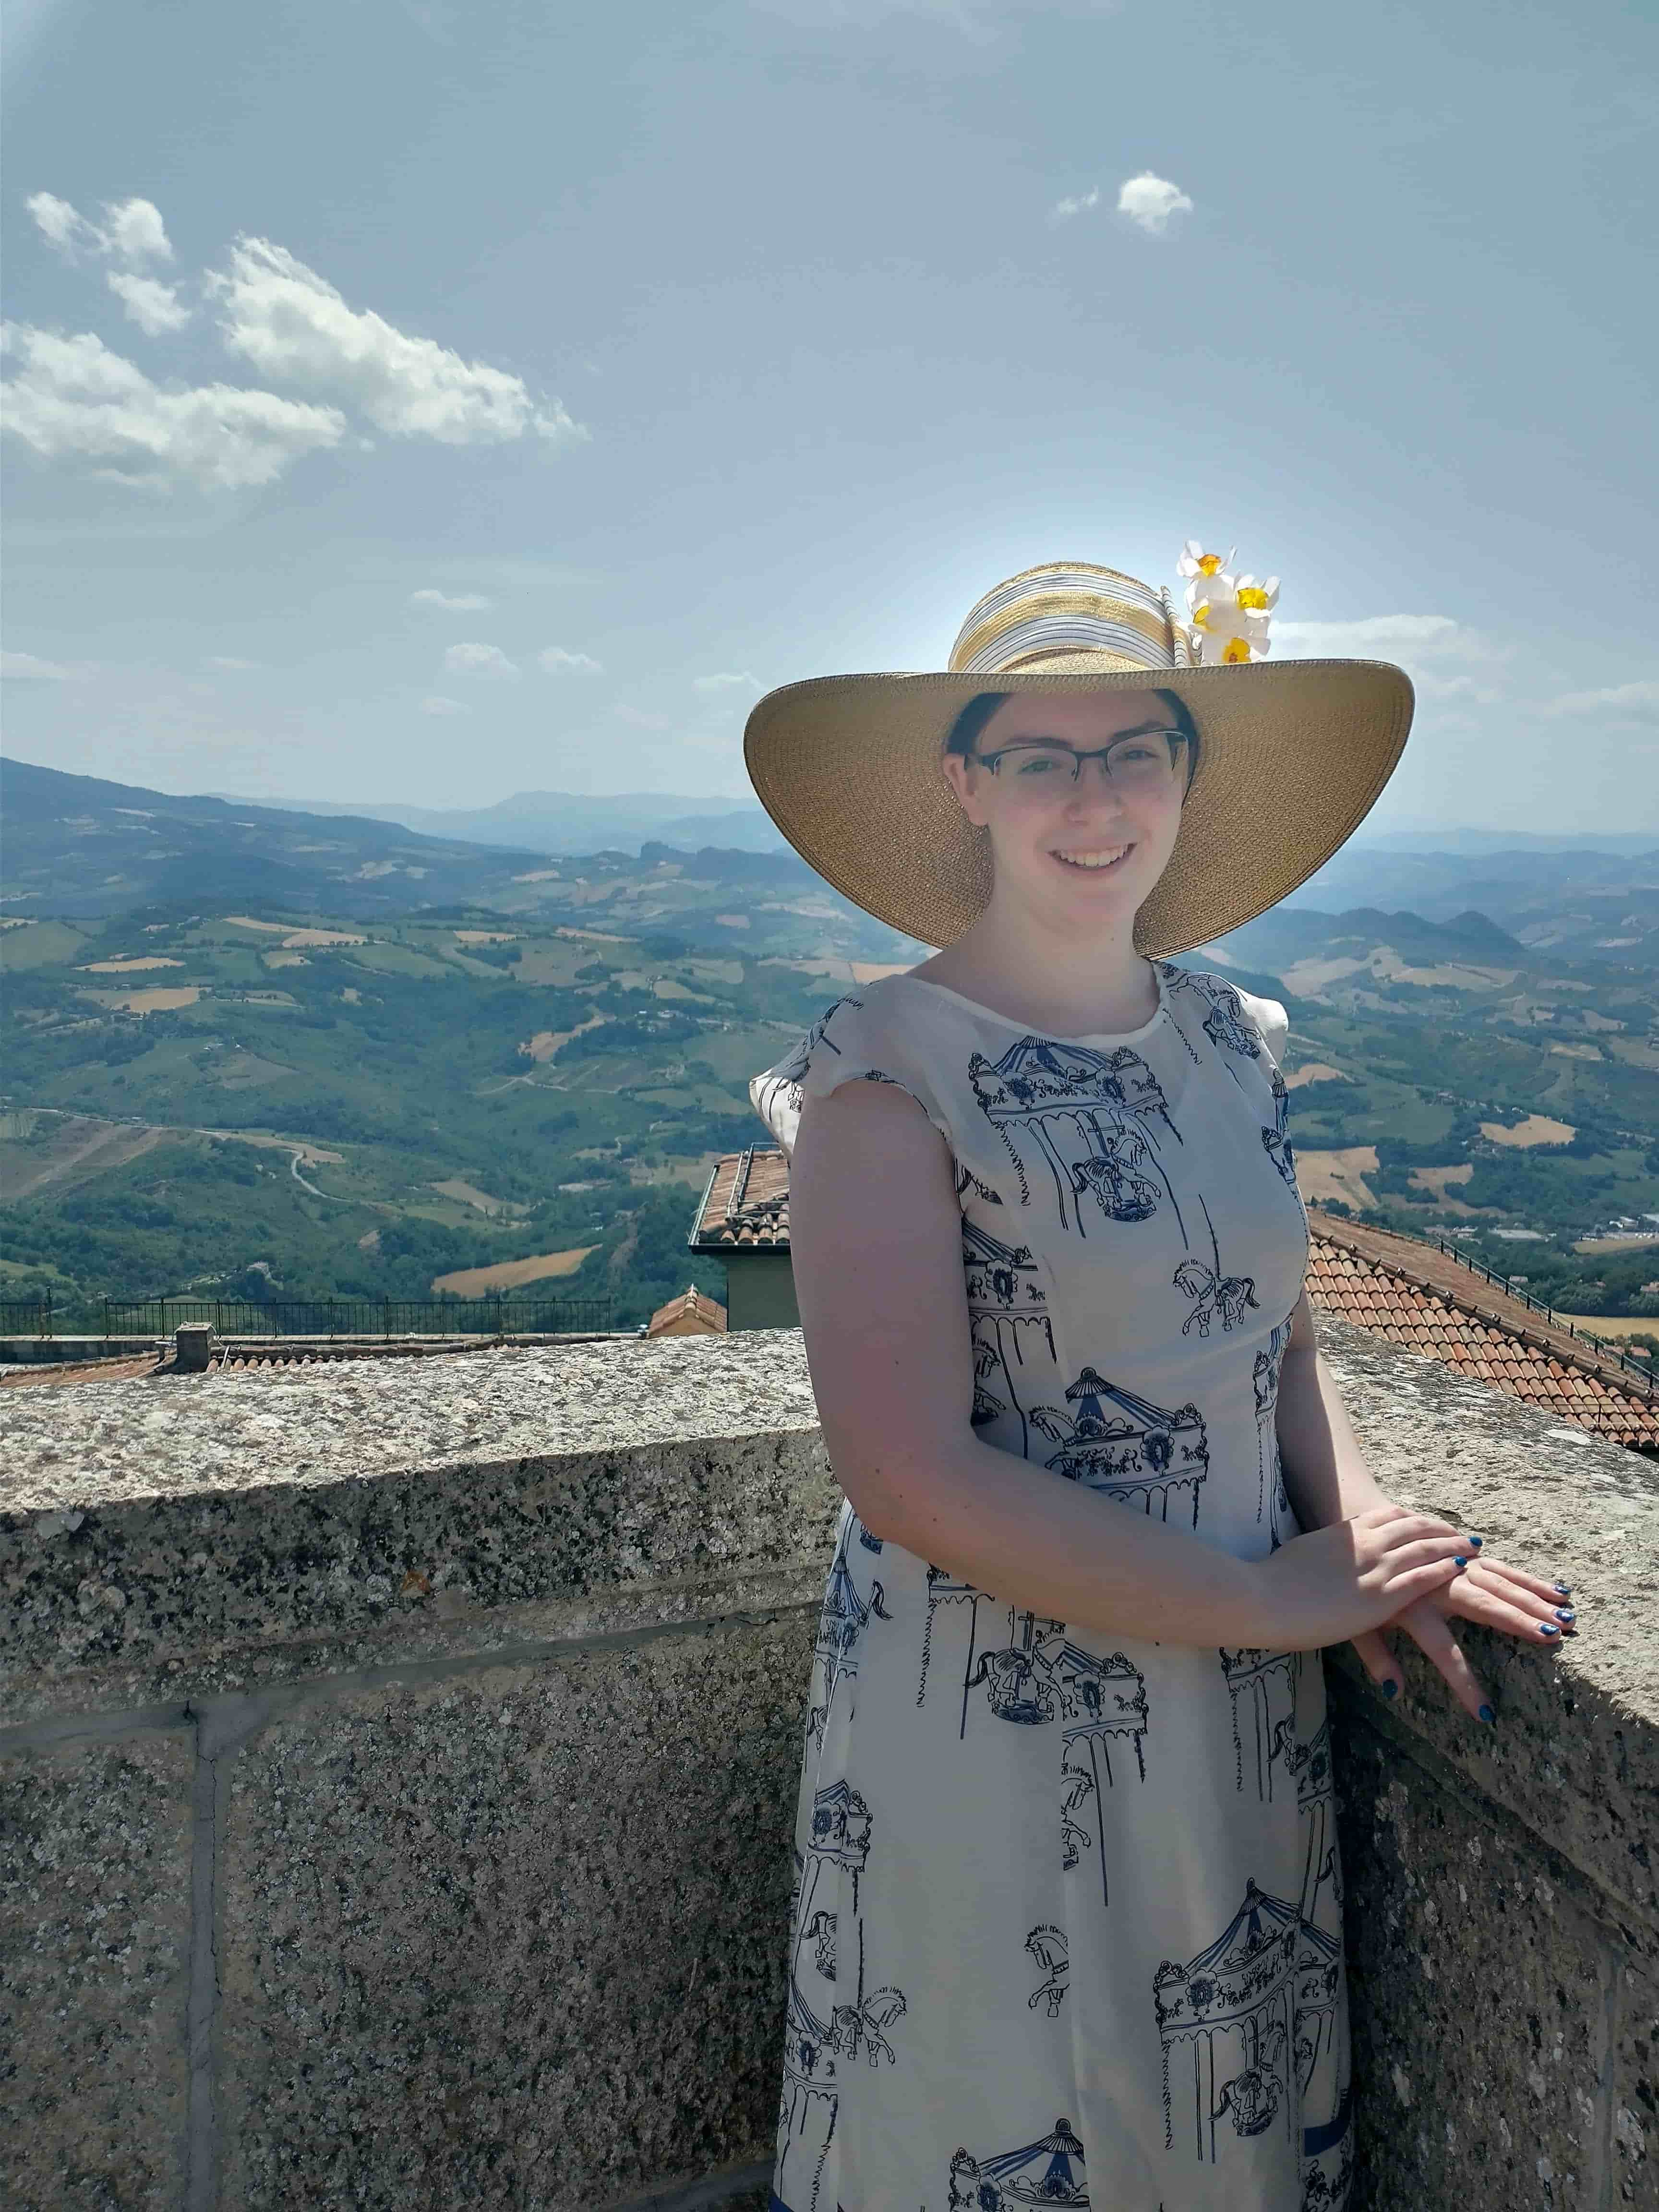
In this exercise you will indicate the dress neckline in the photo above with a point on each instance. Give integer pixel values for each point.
(1049, 1036)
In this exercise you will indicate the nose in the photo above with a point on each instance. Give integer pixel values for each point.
(1093, 790)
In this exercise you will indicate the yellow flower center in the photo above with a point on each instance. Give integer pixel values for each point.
(1235, 648)
(1201, 615)
(1208, 563)
(1253, 597)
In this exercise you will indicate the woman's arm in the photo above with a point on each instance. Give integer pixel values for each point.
(875, 1231)
(1326, 1477)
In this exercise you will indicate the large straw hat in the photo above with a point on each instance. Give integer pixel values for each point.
(1291, 757)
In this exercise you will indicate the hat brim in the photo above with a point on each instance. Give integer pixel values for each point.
(1292, 756)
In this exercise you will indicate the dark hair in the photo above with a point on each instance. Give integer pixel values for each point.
(967, 728)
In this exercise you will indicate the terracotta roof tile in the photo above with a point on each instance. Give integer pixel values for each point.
(1391, 1290)
(747, 1204)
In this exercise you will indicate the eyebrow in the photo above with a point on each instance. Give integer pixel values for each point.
(1140, 730)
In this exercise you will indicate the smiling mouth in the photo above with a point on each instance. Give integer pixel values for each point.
(1098, 860)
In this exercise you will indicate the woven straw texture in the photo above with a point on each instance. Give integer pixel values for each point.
(1293, 756)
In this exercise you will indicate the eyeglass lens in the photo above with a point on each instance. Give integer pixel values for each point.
(1143, 761)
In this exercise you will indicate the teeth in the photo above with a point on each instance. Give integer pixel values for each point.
(1101, 859)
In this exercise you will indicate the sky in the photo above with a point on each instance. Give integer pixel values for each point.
(419, 402)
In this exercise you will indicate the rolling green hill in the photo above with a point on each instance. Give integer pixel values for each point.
(363, 1083)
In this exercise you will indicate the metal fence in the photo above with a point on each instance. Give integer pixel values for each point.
(26, 1317)
(362, 1316)
(1604, 1347)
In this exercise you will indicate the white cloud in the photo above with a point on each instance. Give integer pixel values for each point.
(555, 659)
(472, 659)
(737, 680)
(25, 668)
(459, 603)
(1625, 703)
(156, 307)
(73, 399)
(1150, 201)
(132, 230)
(435, 704)
(296, 329)
(1063, 211)
(59, 223)
(229, 662)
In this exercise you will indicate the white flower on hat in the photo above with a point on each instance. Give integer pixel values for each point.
(1229, 614)
(1195, 562)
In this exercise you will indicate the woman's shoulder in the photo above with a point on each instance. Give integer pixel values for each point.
(1235, 1013)
(876, 1033)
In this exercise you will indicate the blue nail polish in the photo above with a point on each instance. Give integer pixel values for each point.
(1547, 1628)
(1460, 1561)
(1391, 1689)
(1565, 1613)
(1487, 1714)
(1565, 1588)
(1477, 1541)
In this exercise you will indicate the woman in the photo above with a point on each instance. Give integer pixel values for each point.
(1067, 1924)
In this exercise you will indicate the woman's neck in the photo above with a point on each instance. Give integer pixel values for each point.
(1053, 980)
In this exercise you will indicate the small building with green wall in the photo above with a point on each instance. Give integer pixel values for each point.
(744, 1221)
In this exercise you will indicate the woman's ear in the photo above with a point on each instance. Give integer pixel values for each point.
(966, 778)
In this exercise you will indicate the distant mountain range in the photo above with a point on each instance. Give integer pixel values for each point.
(564, 822)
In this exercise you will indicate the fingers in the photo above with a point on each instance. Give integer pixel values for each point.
(1428, 1629)
(1378, 1660)
(1404, 1588)
(1498, 1602)
(1525, 1587)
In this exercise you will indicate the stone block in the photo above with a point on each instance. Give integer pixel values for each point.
(514, 1937)
(1486, 1990)
(1636, 2091)
(94, 1971)
(200, 1535)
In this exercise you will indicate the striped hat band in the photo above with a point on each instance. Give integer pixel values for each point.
(1066, 608)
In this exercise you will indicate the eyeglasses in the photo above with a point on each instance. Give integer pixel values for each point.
(1144, 761)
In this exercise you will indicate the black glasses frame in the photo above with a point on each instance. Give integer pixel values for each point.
(1101, 753)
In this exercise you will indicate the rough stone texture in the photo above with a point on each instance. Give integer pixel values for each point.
(1499, 2095)
(208, 1534)
(1575, 1753)
(494, 1667)
(515, 1938)
(95, 1973)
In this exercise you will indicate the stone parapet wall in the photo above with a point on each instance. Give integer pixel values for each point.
(399, 1762)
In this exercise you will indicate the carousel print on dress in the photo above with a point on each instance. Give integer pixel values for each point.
(1226, 1024)
(842, 1618)
(787, 1077)
(1276, 1141)
(1321, 2050)
(1239, 1986)
(1006, 1296)
(1215, 1297)
(1265, 1369)
(1143, 1451)
(1251, 1668)
(826, 2029)
(1095, 1117)
(1049, 1945)
(1047, 2171)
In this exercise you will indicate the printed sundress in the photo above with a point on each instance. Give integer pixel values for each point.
(1068, 1916)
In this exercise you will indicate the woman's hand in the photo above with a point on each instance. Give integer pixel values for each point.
(1337, 1583)
(1498, 1596)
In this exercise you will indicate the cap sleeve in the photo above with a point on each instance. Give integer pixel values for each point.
(1271, 1022)
(855, 1040)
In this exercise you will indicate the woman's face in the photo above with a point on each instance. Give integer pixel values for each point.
(1083, 849)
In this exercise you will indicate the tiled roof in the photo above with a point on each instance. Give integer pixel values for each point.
(747, 1204)
(687, 1315)
(1417, 1297)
